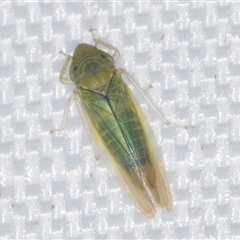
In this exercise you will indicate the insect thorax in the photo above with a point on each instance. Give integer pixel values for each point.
(98, 81)
(92, 72)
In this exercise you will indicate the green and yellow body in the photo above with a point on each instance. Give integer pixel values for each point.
(118, 124)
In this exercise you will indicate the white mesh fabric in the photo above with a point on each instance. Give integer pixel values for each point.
(189, 53)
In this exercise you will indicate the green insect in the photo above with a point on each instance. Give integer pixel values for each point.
(118, 124)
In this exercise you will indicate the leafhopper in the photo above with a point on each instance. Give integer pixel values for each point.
(118, 124)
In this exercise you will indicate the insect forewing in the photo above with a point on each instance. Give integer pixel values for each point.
(119, 123)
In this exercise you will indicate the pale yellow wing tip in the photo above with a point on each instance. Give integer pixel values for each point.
(150, 215)
(168, 206)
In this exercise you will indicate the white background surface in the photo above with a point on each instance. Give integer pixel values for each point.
(189, 54)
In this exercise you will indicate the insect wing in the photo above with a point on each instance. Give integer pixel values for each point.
(161, 186)
(118, 123)
(154, 189)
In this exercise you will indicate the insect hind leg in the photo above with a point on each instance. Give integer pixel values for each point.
(162, 117)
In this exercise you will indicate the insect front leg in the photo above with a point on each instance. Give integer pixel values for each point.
(116, 52)
(65, 114)
(63, 79)
(166, 121)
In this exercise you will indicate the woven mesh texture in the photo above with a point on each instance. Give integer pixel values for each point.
(187, 58)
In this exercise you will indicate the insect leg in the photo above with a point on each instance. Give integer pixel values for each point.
(63, 79)
(116, 52)
(65, 114)
(167, 122)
